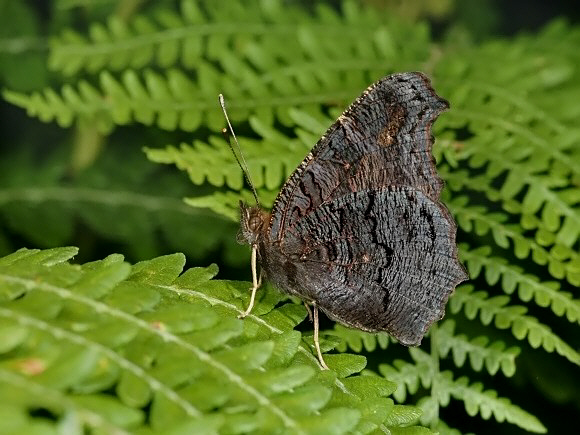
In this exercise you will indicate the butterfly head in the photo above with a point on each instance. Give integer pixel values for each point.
(253, 221)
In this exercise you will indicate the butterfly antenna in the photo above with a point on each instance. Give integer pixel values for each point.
(241, 163)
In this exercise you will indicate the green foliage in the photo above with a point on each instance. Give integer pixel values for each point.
(22, 57)
(138, 348)
(246, 76)
(108, 346)
(149, 201)
(477, 401)
(494, 356)
(505, 316)
(528, 286)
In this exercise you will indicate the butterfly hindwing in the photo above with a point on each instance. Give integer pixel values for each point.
(364, 256)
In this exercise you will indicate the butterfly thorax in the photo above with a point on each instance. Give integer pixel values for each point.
(253, 223)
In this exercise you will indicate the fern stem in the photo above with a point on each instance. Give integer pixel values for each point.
(151, 203)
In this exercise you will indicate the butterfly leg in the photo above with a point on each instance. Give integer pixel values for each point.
(316, 341)
(309, 311)
(256, 283)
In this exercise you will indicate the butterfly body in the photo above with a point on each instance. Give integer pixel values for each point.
(358, 229)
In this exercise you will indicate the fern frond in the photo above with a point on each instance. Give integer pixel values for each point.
(358, 340)
(528, 286)
(109, 339)
(520, 150)
(236, 52)
(149, 98)
(493, 356)
(515, 118)
(164, 37)
(214, 163)
(486, 403)
(560, 219)
(477, 219)
(506, 316)
(254, 29)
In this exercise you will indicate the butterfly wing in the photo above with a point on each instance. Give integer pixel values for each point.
(358, 228)
(382, 139)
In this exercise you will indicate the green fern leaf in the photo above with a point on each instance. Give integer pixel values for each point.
(478, 220)
(505, 316)
(234, 50)
(487, 403)
(180, 352)
(357, 340)
(493, 356)
(151, 99)
(528, 286)
(215, 164)
(507, 150)
(477, 401)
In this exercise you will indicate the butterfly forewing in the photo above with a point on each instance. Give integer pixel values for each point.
(383, 139)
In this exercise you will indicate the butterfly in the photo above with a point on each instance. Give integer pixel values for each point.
(358, 230)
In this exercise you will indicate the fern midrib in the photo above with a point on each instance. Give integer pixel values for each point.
(197, 31)
(485, 352)
(199, 103)
(461, 389)
(165, 35)
(308, 67)
(166, 336)
(60, 333)
(282, 101)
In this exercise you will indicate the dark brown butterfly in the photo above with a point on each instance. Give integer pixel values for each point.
(358, 229)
